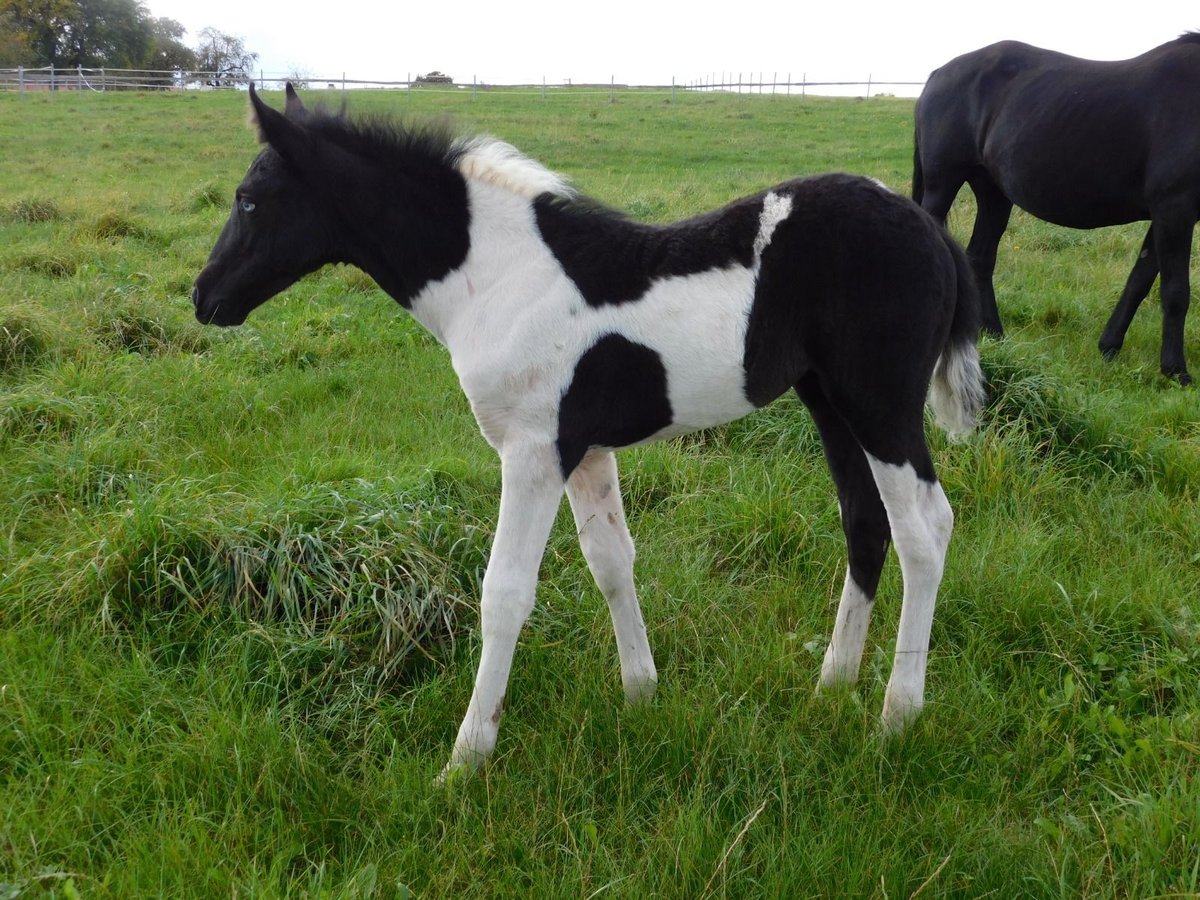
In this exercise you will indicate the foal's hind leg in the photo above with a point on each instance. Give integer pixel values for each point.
(889, 428)
(595, 496)
(865, 525)
(1137, 286)
(921, 521)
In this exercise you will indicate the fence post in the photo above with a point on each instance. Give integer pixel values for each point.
(21, 79)
(474, 87)
(52, 78)
(803, 85)
(868, 87)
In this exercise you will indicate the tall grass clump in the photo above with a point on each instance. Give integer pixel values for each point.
(32, 211)
(24, 338)
(1056, 422)
(383, 574)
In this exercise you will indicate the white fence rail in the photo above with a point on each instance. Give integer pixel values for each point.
(102, 80)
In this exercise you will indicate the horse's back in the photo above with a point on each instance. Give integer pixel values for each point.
(1073, 141)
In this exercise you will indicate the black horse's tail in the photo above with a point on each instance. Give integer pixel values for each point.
(957, 393)
(918, 179)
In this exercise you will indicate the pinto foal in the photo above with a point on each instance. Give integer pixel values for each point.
(575, 331)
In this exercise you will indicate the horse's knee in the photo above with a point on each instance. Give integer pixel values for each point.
(609, 552)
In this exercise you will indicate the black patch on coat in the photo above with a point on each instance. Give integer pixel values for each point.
(857, 291)
(617, 397)
(613, 259)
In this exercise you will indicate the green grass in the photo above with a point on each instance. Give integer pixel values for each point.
(239, 569)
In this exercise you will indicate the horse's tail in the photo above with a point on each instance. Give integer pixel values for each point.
(918, 179)
(957, 393)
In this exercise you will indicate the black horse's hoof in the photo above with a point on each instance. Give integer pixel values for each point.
(1180, 375)
(1110, 353)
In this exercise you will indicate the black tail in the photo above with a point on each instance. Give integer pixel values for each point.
(918, 179)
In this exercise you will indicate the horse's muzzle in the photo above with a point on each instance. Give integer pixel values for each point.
(209, 313)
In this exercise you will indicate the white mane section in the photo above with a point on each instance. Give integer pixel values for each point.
(489, 159)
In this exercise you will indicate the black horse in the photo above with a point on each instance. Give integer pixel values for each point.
(1078, 143)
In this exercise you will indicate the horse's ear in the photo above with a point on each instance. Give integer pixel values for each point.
(274, 127)
(292, 107)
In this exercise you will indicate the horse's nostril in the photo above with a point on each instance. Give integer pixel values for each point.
(196, 296)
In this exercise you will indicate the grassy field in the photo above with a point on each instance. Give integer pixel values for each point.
(238, 568)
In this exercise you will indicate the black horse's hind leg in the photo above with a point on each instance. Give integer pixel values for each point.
(865, 524)
(1137, 287)
(991, 220)
(1173, 242)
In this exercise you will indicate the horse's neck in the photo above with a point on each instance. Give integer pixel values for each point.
(508, 269)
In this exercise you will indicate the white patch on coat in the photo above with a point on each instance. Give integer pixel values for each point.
(776, 208)
(515, 340)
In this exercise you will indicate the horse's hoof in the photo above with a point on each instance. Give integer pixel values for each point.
(1178, 373)
(899, 713)
(1110, 353)
(453, 775)
(995, 331)
(639, 692)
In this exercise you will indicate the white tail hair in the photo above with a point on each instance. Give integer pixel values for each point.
(956, 393)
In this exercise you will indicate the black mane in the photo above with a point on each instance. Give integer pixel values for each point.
(388, 139)
(1188, 37)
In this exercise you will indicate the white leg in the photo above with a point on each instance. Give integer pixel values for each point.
(921, 521)
(595, 496)
(531, 489)
(844, 653)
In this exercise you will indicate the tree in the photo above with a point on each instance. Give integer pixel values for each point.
(166, 48)
(14, 43)
(105, 33)
(89, 33)
(222, 59)
(40, 25)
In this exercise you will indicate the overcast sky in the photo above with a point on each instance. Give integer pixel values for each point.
(650, 41)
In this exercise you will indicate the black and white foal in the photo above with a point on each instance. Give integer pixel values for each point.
(575, 331)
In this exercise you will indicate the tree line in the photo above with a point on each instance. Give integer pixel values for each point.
(118, 34)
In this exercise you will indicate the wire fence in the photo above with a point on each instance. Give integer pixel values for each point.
(50, 78)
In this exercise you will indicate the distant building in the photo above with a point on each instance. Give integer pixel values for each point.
(434, 77)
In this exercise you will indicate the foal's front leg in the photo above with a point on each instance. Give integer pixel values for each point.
(595, 496)
(531, 488)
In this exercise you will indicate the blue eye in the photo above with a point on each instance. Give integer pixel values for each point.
(247, 206)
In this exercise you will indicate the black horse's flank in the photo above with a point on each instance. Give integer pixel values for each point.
(1078, 143)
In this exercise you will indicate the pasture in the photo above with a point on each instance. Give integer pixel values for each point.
(238, 568)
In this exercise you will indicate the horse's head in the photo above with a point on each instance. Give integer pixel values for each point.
(279, 229)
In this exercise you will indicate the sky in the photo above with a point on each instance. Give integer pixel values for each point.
(653, 42)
